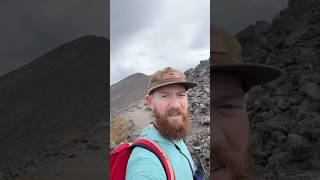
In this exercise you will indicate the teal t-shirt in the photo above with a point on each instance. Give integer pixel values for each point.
(144, 165)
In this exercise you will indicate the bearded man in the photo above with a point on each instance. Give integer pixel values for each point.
(230, 80)
(167, 96)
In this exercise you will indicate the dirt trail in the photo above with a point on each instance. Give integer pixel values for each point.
(88, 165)
(87, 161)
(141, 118)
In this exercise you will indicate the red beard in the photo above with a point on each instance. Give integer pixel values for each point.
(239, 166)
(173, 129)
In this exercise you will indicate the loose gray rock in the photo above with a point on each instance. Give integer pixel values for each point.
(312, 90)
(284, 114)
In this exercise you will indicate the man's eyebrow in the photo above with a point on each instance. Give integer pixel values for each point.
(167, 92)
(164, 92)
(226, 97)
(179, 92)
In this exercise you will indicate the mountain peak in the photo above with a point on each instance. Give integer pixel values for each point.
(86, 41)
(61, 90)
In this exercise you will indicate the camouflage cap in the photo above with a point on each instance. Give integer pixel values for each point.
(168, 76)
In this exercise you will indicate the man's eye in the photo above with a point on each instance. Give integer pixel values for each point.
(182, 95)
(230, 106)
(164, 96)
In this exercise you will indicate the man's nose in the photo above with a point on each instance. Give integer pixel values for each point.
(219, 136)
(174, 102)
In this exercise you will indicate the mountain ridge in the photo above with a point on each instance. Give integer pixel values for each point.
(61, 90)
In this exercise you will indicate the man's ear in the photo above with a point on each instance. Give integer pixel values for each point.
(149, 101)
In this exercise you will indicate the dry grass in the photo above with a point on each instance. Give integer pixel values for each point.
(119, 130)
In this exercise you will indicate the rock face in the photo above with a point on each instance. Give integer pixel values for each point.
(44, 102)
(199, 97)
(199, 104)
(285, 113)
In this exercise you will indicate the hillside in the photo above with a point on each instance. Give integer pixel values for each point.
(127, 91)
(56, 96)
(285, 114)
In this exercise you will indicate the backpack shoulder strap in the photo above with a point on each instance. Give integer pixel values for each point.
(155, 149)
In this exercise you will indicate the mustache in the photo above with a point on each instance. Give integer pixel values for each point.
(174, 111)
(173, 130)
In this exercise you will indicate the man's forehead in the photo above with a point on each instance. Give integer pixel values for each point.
(226, 79)
(173, 87)
(228, 95)
(226, 84)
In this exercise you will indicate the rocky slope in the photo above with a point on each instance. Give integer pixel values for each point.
(46, 104)
(128, 91)
(285, 114)
(199, 104)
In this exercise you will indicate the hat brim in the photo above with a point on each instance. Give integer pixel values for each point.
(188, 85)
(255, 74)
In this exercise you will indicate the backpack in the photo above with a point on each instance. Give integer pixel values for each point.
(120, 155)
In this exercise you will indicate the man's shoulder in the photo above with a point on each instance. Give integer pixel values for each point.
(142, 159)
(139, 153)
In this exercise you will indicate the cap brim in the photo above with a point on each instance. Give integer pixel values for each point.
(188, 85)
(255, 74)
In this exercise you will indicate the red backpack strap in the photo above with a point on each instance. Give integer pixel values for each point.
(154, 148)
(118, 161)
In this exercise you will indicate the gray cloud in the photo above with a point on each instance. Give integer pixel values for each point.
(128, 17)
(236, 15)
(151, 35)
(31, 28)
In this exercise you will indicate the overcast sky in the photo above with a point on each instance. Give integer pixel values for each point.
(235, 15)
(149, 35)
(31, 28)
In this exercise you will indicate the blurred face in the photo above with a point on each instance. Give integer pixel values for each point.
(170, 107)
(230, 150)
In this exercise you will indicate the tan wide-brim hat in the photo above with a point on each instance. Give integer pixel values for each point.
(225, 55)
(168, 76)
